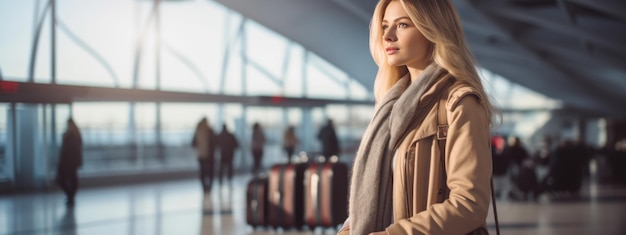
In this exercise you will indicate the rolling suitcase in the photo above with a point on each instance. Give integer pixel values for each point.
(325, 194)
(285, 195)
(256, 202)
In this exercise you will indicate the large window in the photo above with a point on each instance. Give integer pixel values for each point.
(184, 46)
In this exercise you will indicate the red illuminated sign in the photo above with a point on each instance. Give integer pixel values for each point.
(7, 87)
(277, 99)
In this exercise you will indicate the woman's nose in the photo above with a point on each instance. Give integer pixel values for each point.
(389, 35)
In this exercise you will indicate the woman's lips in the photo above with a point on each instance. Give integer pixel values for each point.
(391, 50)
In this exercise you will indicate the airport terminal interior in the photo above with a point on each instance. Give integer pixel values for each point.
(137, 79)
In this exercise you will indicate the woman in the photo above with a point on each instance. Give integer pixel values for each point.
(70, 159)
(418, 172)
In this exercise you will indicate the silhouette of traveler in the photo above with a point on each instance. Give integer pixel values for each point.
(500, 164)
(328, 137)
(617, 161)
(70, 159)
(290, 141)
(204, 141)
(565, 174)
(523, 172)
(579, 168)
(258, 142)
(227, 144)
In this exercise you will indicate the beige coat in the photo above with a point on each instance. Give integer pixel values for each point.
(419, 193)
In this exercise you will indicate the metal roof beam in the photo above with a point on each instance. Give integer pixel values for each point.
(516, 14)
(615, 9)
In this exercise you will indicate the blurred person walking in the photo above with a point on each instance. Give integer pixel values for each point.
(258, 143)
(617, 161)
(581, 154)
(70, 159)
(290, 141)
(566, 171)
(204, 141)
(328, 137)
(500, 162)
(228, 144)
(522, 170)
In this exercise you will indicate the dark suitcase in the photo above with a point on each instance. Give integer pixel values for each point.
(325, 194)
(285, 195)
(256, 202)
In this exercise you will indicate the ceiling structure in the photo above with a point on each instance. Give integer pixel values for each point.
(570, 50)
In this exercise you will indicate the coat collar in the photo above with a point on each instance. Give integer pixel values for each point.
(453, 94)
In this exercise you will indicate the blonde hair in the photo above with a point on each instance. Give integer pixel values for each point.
(439, 22)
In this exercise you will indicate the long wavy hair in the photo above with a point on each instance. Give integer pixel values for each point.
(439, 22)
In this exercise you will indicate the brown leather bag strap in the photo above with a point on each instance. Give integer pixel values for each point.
(495, 211)
(442, 134)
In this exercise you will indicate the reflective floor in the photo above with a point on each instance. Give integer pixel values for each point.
(180, 207)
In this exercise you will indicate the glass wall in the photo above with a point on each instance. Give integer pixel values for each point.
(185, 46)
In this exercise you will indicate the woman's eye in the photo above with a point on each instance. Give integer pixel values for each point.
(403, 25)
(385, 27)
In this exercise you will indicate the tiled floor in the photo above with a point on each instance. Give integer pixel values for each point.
(179, 207)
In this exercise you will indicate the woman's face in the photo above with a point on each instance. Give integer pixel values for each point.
(404, 44)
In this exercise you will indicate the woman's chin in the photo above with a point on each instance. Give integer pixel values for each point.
(394, 63)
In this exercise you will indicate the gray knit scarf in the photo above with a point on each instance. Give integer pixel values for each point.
(370, 199)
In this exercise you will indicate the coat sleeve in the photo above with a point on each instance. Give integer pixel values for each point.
(468, 168)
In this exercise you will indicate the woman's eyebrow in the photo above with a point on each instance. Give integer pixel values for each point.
(396, 19)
